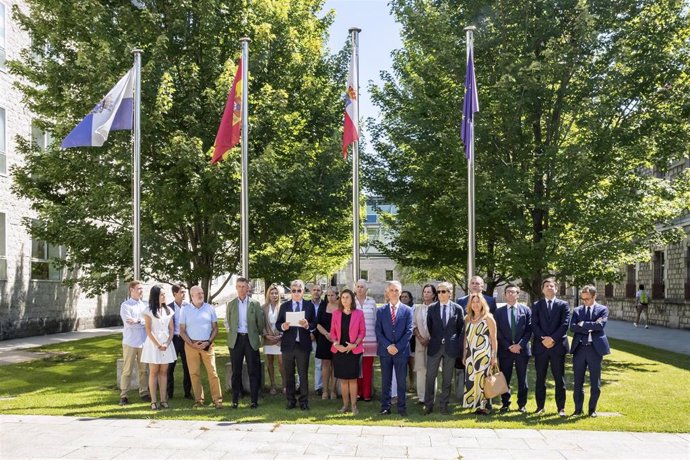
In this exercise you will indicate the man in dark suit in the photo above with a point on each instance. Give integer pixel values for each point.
(550, 321)
(476, 287)
(393, 333)
(318, 303)
(445, 322)
(588, 348)
(245, 321)
(179, 292)
(296, 344)
(514, 329)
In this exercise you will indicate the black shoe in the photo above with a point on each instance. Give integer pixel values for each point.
(522, 409)
(146, 398)
(235, 405)
(445, 411)
(561, 413)
(188, 396)
(593, 414)
(304, 406)
(319, 391)
(504, 409)
(170, 396)
(291, 405)
(253, 405)
(427, 410)
(385, 412)
(124, 401)
(402, 413)
(539, 411)
(577, 413)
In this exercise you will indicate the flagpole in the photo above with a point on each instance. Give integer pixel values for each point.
(244, 208)
(354, 37)
(470, 179)
(136, 185)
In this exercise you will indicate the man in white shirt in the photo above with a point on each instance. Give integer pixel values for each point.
(179, 292)
(133, 337)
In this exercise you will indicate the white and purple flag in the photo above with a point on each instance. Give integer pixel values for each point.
(113, 113)
(471, 106)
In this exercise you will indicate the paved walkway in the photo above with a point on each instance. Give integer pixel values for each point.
(24, 436)
(677, 340)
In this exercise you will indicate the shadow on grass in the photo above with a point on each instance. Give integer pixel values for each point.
(679, 360)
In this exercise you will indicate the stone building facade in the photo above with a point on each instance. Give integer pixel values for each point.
(33, 301)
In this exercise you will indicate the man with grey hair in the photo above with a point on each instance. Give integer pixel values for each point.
(368, 307)
(296, 344)
(477, 286)
(445, 321)
(393, 333)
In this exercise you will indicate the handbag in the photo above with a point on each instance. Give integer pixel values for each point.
(495, 383)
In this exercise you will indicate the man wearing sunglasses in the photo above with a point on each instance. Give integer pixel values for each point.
(296, 344)
(445, 321)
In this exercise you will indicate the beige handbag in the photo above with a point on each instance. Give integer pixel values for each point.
(495, 383)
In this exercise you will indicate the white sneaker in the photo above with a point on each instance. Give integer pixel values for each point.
(634, 324)
(646, 327)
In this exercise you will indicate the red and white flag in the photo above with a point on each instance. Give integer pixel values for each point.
(351, 131)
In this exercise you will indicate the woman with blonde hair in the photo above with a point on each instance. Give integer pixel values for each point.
(272, 335)
(480, 348)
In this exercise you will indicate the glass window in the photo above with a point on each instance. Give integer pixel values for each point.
(389, 275)
(3, 150)
(3, 247)
(42, 266)
(364, 274)
(40, 138)
(3, 18)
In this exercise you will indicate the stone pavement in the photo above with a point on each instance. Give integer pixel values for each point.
(25, 436)
(677, 340)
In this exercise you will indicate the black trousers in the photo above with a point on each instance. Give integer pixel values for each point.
(187, 381)
(243, 350)
(541, 364)
(298, 357)
(506, 363)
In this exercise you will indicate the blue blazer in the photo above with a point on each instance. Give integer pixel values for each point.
(399, 335)
(505, 334)
(489, 300)
(599, 340)
(451, 334)
(554, 325)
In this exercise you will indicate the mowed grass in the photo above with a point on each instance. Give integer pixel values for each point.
(646, 389)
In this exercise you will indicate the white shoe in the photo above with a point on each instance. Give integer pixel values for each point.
(634, 324)
(646, 327)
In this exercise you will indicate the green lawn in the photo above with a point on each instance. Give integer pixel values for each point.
(646, 386)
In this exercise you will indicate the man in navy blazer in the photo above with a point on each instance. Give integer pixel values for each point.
(476, 287)
(588, 348)
(445, 322)
(393, 333)
(550, 321)
(296, 344)
(514, 329)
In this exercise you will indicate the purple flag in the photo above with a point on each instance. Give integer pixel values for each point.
(470, 107)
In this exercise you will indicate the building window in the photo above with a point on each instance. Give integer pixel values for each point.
(40, 138)
(687, 273)
(3, 246)
(658, 287)
(631, 275)
(608, 290)
(3, 28)
(42, 255)
(389, 275)
(364, 274)
(3, 149)
(562, 289)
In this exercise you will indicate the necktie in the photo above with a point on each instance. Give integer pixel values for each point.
(513, 323)
(296, 308)
(550, 301)
(445, 315)
(588, 317)
(393, 314)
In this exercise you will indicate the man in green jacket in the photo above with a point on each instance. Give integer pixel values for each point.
(245, 322)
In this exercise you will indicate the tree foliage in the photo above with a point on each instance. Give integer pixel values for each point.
(582, 105)
(299, 223)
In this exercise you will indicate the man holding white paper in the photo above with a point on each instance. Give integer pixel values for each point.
(296, 320)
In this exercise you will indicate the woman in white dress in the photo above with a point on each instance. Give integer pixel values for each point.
(272, 336)
(158, 350)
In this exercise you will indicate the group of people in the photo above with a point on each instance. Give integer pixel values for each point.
(346, 330)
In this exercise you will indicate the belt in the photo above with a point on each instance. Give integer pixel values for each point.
(242, 333)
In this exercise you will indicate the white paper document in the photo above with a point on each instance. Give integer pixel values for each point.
(294, 317)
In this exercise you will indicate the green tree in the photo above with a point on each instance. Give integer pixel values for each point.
(190, 209)
(579, 102)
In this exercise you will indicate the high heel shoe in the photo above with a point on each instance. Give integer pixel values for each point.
(324, 395)
(334, 396)
(343, 409)
(165, 405)
(355, 411)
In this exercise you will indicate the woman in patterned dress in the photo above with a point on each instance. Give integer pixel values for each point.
(480, 348)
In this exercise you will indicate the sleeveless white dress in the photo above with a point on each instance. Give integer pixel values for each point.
(159, 328)
(272, 318)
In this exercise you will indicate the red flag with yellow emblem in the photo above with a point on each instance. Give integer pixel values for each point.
(230, 125)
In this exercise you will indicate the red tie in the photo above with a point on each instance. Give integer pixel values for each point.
(393, 314)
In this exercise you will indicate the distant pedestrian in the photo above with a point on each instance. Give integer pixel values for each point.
(642, 306)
